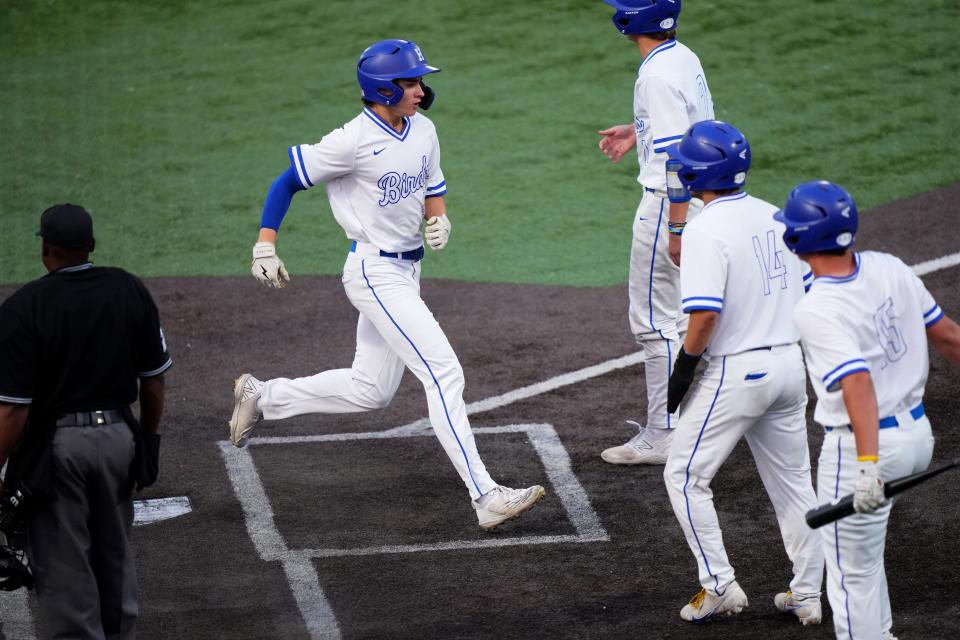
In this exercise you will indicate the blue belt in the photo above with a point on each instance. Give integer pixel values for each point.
(649, 189)
(890, 421)
(413, 254)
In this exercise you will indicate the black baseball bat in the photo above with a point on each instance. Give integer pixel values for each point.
(825, 514)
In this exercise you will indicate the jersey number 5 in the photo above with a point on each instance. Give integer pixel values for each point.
(771, 261)
(891, 339)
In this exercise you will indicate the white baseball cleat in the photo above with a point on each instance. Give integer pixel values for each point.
(246, 414)
(503, 503)
(640, 449)
(807, 609)
(705, 605)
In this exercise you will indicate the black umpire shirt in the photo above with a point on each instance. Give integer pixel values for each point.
(78, 339)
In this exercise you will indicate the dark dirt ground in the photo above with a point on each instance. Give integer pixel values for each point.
(200, 576)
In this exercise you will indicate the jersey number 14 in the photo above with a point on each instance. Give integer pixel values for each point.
(771, 261)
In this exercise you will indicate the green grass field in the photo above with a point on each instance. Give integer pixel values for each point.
(169, 119)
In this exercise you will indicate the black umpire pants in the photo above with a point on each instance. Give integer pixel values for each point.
(80, 543)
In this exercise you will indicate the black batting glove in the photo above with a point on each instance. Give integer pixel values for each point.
(680, 379)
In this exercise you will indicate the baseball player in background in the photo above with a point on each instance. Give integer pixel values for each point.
(739, 287)
(864, 327)
(383, 179)
(669, 95)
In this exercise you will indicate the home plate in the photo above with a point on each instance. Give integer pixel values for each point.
(150, 511)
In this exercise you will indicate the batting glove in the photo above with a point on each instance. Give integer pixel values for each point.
(681, 379)
(267, 267)
(437, 232)
(868, 495)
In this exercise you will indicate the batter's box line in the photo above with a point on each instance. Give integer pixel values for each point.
(302, 576)
(270, 545)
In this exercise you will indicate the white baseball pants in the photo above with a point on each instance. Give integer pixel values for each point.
(854, 546)
(395, 330)
(759, 395)
(655, 317)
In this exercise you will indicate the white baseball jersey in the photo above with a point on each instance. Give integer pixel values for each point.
(376, 178)
(670, 94)
(734, 262)
(873, 320)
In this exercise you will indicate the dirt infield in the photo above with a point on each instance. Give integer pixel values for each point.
(201, 577)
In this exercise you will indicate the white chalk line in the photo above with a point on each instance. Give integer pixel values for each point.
(943, 262)
(532, 390)
(304, 582)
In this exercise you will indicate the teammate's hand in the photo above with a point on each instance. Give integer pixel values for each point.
(868, 495)
(267, 267)
(437, 231)
(616, 141)
(674, 249)
(681, 379)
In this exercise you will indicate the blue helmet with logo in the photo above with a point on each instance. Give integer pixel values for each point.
(634, 17)
(386, 61)
(712, 156)
(820, 216)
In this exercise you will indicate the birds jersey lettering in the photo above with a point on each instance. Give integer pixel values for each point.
(397, 186)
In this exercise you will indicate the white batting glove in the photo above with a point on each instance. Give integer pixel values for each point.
(267, 267)
(868, 495)
(437, 232)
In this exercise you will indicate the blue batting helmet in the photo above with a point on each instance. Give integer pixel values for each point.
(820, 216)
(712, 155)
(388, 60)
(634, 17)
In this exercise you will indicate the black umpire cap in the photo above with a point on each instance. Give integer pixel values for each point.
(67, 225)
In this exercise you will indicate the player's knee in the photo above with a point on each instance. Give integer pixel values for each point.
(380, 399)
(674, 475)
(374, 396)
(449, 375)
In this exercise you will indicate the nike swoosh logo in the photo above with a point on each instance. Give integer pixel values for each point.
(377, 152)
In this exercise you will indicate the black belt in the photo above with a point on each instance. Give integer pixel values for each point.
(90, 418)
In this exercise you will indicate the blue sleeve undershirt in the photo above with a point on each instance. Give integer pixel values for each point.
(278, 199)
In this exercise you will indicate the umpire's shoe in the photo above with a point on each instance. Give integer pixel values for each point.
(642, 448)
(706, 605)
(246, 414)
(503, 503)
(807, 609)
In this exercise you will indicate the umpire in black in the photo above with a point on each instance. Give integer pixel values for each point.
(73, 346)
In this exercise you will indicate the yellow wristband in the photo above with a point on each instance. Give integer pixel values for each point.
(866, 458)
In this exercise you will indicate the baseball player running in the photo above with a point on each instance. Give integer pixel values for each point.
(739, 287)
(669, 95)
(864, 328)
(383, 178)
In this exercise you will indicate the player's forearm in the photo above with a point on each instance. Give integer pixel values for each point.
(945, 336)
(861, 403)
(699, 331)
(433, 207)
(678, 211)
(12, 419)
(151, 403)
